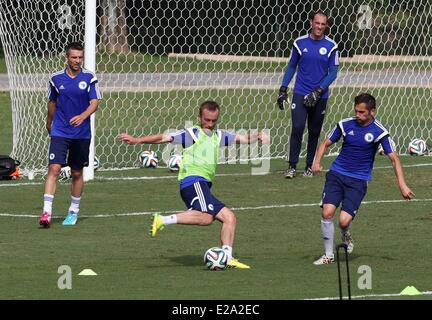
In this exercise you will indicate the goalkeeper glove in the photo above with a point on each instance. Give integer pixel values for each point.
(311, 99)
(282, 97)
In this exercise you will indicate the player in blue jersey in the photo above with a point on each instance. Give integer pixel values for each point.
(73, 96)
(315, 58)
(347, 179)
(197, 171)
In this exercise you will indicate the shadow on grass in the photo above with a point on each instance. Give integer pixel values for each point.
(188, 260)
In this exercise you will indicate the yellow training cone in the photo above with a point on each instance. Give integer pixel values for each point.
(87, 272)
(410, 291)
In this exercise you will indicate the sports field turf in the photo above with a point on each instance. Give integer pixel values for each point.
(278, 235)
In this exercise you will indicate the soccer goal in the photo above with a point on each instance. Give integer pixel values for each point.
(156, 61)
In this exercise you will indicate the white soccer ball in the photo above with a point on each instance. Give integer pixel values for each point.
(65, 173)
(174, 162)
(96, 163)
(216, 259)
(148, 159)
(417, 147)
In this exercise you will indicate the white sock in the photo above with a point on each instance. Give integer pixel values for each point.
(228, 249)
(48, 201)
(75, 203)
(172, 219)
(327, 228)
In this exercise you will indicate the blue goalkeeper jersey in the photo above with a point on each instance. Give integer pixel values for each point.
(314, 60)
(72, 97)
(360, 144)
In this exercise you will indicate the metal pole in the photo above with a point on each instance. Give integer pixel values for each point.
(348, 274)
(344, 246)
(339, 274)
(90, 64)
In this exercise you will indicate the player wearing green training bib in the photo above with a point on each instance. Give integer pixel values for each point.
(201, 146)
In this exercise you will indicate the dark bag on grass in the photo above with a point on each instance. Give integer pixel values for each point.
(8, 168)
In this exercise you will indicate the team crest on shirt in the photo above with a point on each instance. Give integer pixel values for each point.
(323, 51)
(368, 137)
(82, 85)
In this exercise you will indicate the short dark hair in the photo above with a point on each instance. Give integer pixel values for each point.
(367, 99)
(209, 105)
(74, 46)
(319, 12)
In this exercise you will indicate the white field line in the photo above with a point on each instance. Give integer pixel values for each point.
(18, 184)
(266, 207)
(369, 295)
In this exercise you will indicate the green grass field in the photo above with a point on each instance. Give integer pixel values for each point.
(136, 62)
(278, 224)
(150, 112)
(278, 235)
(141, 113)
(5, 123)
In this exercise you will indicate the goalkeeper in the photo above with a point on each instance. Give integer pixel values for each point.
(315, 57)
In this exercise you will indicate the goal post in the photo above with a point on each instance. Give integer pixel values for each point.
(90, 64)
(156, 61)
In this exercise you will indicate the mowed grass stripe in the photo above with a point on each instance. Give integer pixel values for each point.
(278, 206)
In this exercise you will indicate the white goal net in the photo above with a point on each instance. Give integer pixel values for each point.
(156, 61)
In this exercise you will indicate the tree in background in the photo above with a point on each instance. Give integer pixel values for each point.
(113, 29)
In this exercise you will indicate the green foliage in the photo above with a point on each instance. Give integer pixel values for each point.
(399, 28)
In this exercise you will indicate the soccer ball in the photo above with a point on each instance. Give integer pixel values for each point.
(417, 147)
(65, 173)
(148, 159)
(216, 259)
(174, 162)
(96, 163)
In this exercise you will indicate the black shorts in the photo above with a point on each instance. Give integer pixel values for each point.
(198, 197)
(69, 152)
(339, 189)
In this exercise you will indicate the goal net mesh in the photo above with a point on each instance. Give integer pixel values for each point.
(156, 61)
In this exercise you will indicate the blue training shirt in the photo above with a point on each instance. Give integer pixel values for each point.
(360, 144)
(72, 97)
(184, 138)
(316, 61)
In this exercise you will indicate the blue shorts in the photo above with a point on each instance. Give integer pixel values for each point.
(69, 152)
(339, 189)
(198, 197)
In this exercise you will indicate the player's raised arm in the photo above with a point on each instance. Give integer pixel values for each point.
(248, 138)
(151, 139)
(316, 165)
(404, 189)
